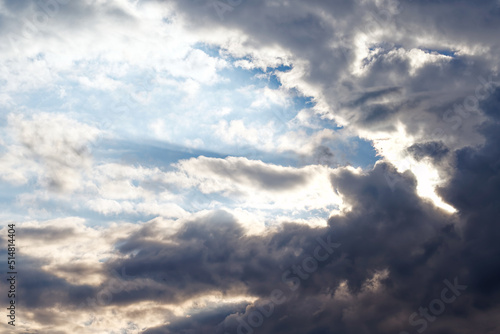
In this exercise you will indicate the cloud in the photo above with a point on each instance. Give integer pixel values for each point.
(434, 150)
(396, 251)
(252, 183)
(51, 147)
(336, 65)
(135, 238)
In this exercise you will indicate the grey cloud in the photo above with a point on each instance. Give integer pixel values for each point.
(214, 254)
(323, 34)
(323, 155)
(374, 94)
(247, 172)
(264, 177)
(418, 244)
(387, 229)
(199, 323)
(434, 150)
(44, 233)
(17, 5)
(59, 144)
(41, 289)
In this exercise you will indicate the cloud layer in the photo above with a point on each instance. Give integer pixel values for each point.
(252, 166)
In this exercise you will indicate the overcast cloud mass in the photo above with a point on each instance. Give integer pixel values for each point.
(251, 166)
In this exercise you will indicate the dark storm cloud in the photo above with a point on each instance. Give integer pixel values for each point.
(389, 229)
(368, 111)
(420, 246)
(200, 323)
(392, 230)
(476, 190)
(377, 113)
(434, 150)
(39, 289)
(372, 95)
(213, 254)
(325, 35)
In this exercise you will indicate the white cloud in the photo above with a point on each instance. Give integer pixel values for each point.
(50, 147)
(254, 184)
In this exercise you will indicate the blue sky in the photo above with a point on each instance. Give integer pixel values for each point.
(146, 118)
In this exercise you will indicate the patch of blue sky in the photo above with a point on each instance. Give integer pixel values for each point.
(194, 120)
(189, 123)
(241, 76)
(149, 153)
(124, 111)
(9, 197)
(59, 209)
(356, 152)
(34, 208)
(211, 50)
(282, 159)
(313, 213)
(449, 53)
(43, 99)
(96, 219)
(65, 205)
(302, 102)
(194, 201)
(238, 77)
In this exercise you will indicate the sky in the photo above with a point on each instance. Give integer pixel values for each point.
(250, 166)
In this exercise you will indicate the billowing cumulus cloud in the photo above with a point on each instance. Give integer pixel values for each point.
(251, 166)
